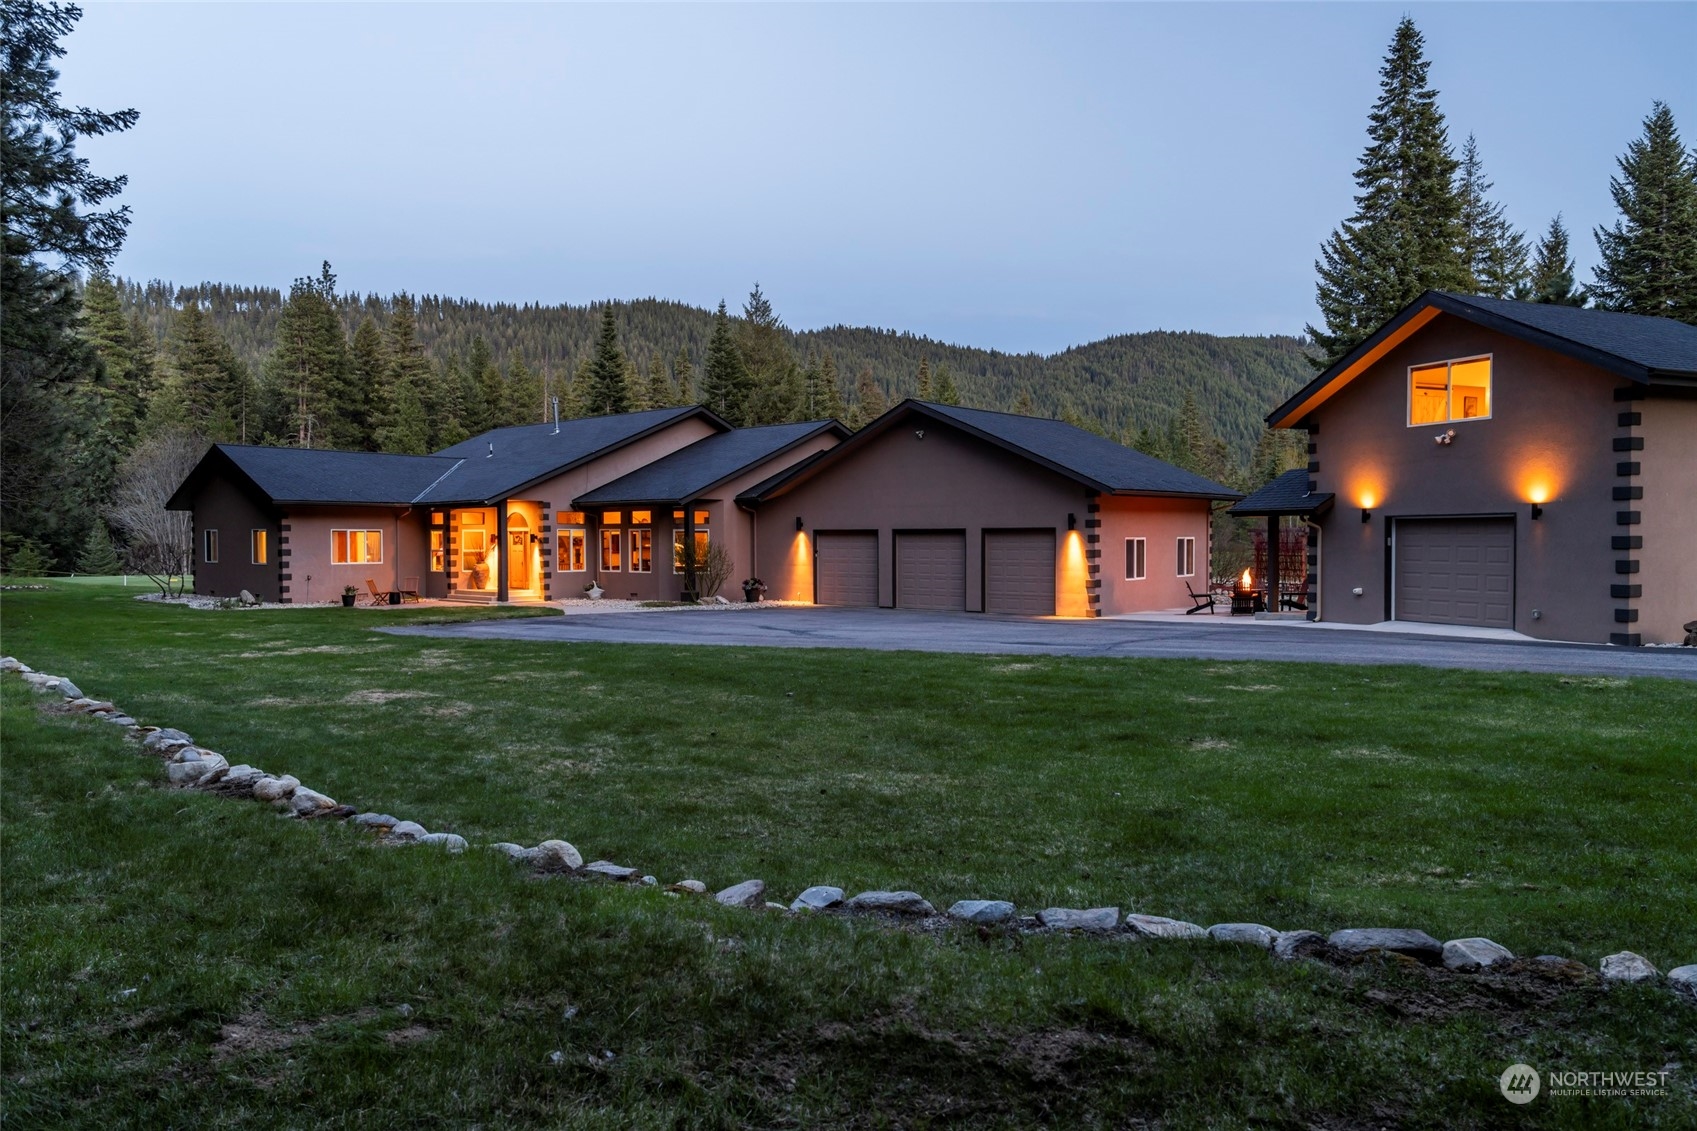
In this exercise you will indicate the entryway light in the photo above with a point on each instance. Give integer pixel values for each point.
(1366, 515)
(798, 522)
(1537, 511)
(1072, 521)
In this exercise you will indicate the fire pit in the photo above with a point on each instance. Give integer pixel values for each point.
(1246, 599)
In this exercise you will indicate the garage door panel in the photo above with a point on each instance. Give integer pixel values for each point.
(931, 571)
(846, 567)
(1455, 571)
(1019, 572)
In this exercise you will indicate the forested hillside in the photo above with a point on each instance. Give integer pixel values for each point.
(1119, 385)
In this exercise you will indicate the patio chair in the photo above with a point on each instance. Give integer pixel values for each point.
(378, 596)
(1199, 601)
(409, 590)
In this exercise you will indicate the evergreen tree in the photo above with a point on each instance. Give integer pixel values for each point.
(1023, 405)
(408, 379)
(607, 392)
(124, 381)
(479, 409)
(207, 390)
(524, 394)
(923, 389)
(406, 430)
(1405, 235)
(869, 397)
(944, 391)
(1551, 278)
(725, 382)
(448, 425)
(683, 377)
(1493, 251)
(775, 385)
(830, 389)
(98, 557)
(369, 360)
(574, 396)
(1649, 257)
(658, 392)
(312, 366)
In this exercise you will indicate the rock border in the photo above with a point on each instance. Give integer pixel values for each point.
(191, 766)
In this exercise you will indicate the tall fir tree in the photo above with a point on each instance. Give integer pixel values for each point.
(311, 368)
(683, 377)
(1023, 405)
(408, 380)
(1493, 250)
(369, 359)
(1649, 256)
(944, 390)
(1550, 279)
(830, 395)
(1405, 235)
(208, 390)
(524, 394)
(480, 414)
(99, 558)
(922, 388)
(607, 392)
(725, 381)
(869, 397)
(657, 391)
(448, 427)
(124, 382)
(775, 386)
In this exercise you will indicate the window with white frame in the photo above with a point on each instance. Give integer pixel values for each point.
(260, 544)
(572, 550)
(641, 550)
(1136, 559)
(355, 547)
(209, 546)
(611, 551)
(1187, 557)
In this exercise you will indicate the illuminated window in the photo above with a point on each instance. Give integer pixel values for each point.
(610, 550)
(438, 559)
(571, 549)
(642, 551)
(1136, 563)
(612, 518)
(1449, 390)
(701, 518)
(209, 546)
(259, 545)
(641, 518)
(352, 547)
(1186, 557)
(678, 547)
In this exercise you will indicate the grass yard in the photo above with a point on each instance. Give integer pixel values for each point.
(296, 974)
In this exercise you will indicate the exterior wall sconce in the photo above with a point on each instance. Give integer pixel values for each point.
(798, 522)
(1072, 521)
(1537, 511)
(1366, 515)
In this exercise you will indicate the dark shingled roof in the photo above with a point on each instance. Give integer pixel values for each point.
(1288, 494)
(689, 473)
(1639, 347)
(310, 475)
(530, 453)
(1090, 459)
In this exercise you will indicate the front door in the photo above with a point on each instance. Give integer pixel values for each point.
(518, 552)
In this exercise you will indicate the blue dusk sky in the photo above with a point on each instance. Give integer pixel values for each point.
(1021, 177)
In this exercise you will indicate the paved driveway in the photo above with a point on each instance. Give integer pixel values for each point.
(901, 630)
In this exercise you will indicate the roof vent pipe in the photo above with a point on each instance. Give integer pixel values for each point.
(491, 454)
(556, 401)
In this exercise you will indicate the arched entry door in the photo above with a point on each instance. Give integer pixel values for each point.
(518, 551)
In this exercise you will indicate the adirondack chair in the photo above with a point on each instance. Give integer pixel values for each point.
(1199, 601)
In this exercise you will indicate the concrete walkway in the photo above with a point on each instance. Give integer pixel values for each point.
(1199, 638)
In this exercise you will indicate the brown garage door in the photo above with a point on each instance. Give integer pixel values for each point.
(1455, 571)
(1019, 572)
(846, 567)
(931, 571)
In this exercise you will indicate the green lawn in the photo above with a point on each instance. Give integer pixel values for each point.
(271, 959)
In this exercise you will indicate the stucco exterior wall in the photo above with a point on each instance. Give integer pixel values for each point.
(226, 508)
(1161, 523)
(1668, 558)
(1550, 433)
(312, 575)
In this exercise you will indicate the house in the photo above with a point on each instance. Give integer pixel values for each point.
(930, 506)
(938, 507)
(1479, 461)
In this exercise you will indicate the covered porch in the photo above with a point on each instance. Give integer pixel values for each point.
(1275, 582)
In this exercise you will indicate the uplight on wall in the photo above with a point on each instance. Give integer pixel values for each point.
(1537, 511)
(1072, 521)
(1366, 515)
(798, 523)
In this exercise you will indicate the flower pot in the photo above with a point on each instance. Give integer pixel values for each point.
(348, 600)
(594, 592)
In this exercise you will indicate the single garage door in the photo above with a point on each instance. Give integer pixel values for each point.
(1019, 572)
(1455, 571)
(846, 567)
(931, 571)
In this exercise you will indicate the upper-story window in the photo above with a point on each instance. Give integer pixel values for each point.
(1449, 390)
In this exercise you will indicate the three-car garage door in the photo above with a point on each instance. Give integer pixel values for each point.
(846, 567)
(931, 571)
(1455, 571)
(1019, 572)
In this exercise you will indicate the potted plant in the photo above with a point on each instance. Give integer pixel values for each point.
(349, 592)
(593, 590)
(752, 589)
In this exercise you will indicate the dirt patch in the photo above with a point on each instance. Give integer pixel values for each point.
(1212, 744)
(335, 649)
(252, 1033)
(375, 697)
(411, 1035)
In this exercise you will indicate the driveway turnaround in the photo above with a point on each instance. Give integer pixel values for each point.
(892, 630)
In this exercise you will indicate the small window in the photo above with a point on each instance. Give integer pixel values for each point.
(209, 547)
(1136, 563)
(610, 546)
(569, 518)
(641, 518)
(571, 549)
(1187, 557)
(438, 558)
(642, 551)
(678, 548)
(1449, 390)
(612, 518)
(259, 542)
(701, 518)
(355, 547)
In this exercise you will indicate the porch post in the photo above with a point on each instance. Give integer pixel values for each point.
(1272, 563)
(504, 553)
(689, 550)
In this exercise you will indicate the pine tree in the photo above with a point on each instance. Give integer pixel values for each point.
(869, 396)
(775, 385)
(944, 391)
(407, 379)
(122, 385)
(1023, 405)
(683, 377)
(98, 557)
(658, 392)
(1649, 257)
(923, 388)
(830, 389)
(524, 394)
(1405, 235)
(407, 429)
(312, 370)
(208, 391)
(447, 426)
(725, 382)
(607, 392)
(1492, 249)
(369, 360)
(479, 413)
(1551, 278)
(574, 395)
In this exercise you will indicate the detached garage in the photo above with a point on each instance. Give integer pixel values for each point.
(1453, 571)
(950, 509)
